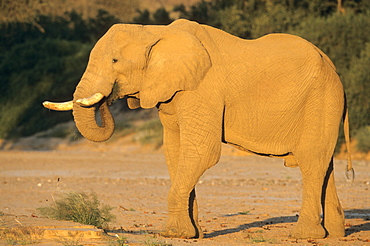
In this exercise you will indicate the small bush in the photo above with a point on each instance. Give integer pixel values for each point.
(80, 207)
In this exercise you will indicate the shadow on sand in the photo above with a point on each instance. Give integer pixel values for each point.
(363, 214)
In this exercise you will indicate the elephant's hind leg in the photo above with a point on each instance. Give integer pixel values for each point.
(309, 224)
(193, 213)
(333, 220)
(314, 154)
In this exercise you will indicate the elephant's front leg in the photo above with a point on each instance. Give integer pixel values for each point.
(183, 222)
(182, 203)
(198, 148)
(171, 150)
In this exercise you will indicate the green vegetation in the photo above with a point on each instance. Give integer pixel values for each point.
(363, 139)
(44, 53)
(25, 68)
(118, 241)
(79, 207)
(261, 239)
(155, 242)
(25, 11)
(35, 66)
(244, 212)
(257, 237)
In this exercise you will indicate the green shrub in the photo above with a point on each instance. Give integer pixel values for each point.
(363, 139)
(80, 207)
(118, 241)
(154, 242)
(357, 81)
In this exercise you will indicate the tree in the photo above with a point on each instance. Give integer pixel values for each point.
(31, 72)
(161, 17)
(233, 20)
(358, 88)
(29, 11)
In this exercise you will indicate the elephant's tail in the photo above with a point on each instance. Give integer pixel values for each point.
(350, 173)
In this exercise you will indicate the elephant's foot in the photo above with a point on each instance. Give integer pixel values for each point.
(334, 222)
(200, 233)
(308, 230)
(178, 233)
(335, 229)
(181, 227)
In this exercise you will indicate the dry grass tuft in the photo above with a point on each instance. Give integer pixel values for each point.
(80, 207)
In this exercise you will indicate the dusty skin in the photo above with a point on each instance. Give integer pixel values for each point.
(243, 199)
(277, 95)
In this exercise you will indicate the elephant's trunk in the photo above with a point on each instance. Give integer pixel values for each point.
(87, 125)
(86, 121)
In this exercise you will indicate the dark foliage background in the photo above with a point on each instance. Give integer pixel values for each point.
(43, 57)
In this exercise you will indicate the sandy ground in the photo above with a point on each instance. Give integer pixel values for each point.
(243, 199)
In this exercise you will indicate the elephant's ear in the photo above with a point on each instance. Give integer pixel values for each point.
(177, 62)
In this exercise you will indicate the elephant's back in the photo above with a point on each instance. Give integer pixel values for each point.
(283, 46)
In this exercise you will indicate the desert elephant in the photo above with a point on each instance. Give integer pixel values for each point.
(277, 96)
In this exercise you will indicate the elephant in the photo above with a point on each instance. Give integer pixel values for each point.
(277, 96)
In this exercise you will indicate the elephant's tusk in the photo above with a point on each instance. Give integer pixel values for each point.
(89, 101)
(63, 106)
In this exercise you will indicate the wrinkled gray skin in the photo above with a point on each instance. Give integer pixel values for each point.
(278, 95)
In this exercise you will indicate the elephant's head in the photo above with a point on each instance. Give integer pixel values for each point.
(148, 64)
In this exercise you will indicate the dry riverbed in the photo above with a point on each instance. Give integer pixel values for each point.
(243, 200)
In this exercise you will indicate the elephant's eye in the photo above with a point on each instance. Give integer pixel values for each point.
(114, 60)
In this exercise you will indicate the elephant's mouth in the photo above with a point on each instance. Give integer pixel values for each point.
(87, 101)
(84, 111)
(119, 93)
(134, 95)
